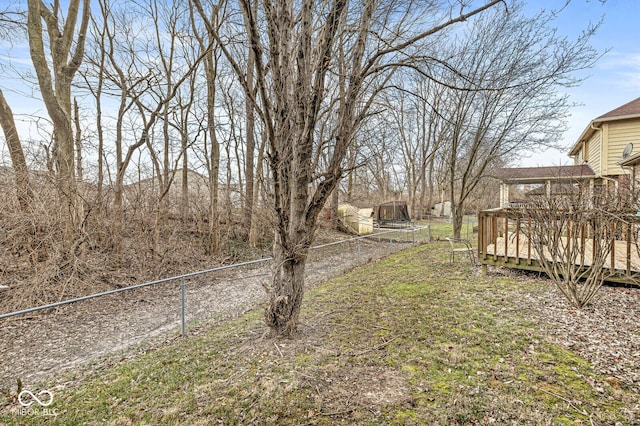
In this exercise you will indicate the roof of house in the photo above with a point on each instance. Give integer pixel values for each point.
(542, 174)
(624, 112)
(628, 110)
(630, 161)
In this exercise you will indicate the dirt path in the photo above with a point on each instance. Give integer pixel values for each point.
(44, 345)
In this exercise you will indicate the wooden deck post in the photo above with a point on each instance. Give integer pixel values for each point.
(506, 238)
(482, 249)
(628, 236)
(518, 240)
(529, 242)
(494, 231)
(613, 248)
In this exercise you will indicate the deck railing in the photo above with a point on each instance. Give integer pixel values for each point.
(504, 240)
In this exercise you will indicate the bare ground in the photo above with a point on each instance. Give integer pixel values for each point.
(44, 345)
(606, 333)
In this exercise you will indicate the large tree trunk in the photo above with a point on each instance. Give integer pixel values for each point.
(286, 291)
(21, 173)
(55, 87)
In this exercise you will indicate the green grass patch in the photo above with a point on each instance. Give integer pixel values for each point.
(440, 229)
(407, 340)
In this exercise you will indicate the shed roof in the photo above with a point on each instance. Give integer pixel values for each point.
(542, 174)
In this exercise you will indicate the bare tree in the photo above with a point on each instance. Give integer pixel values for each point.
(113, 71)
(380, 151)
(55, 74)
(153, 91)
(504, 94)
(416, 127)
(12, 20)
(210, 46)
(169, 102)
(251, 190)
(294, 61)
(12, 24)
(20, 170)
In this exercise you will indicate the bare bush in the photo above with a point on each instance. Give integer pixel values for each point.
(573, 230)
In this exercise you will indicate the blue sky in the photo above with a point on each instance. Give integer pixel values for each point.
(615, 79)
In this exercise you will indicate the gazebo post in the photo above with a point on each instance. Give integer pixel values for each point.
(504, 194)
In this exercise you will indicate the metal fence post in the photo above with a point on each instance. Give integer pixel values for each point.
(358, 242)
(182, 291)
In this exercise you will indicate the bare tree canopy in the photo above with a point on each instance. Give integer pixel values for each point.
(505, 93)
(12, 21)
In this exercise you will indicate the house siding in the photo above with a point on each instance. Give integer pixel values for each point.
(620, 134)
(594, 153)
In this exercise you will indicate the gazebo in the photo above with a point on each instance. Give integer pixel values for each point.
(546, 177)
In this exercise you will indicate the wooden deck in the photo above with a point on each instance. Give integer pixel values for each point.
(516, 251)
(527, 253)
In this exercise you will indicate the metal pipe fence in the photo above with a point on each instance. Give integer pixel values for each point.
(75, 331)
(397, 235)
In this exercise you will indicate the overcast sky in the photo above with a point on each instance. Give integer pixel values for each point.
(614, 81)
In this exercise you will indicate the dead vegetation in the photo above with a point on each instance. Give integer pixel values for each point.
(36, 346)
(38, 269)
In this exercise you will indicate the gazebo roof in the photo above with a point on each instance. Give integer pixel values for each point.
(543, 174)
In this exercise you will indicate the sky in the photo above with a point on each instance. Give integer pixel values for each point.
(615, 79)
